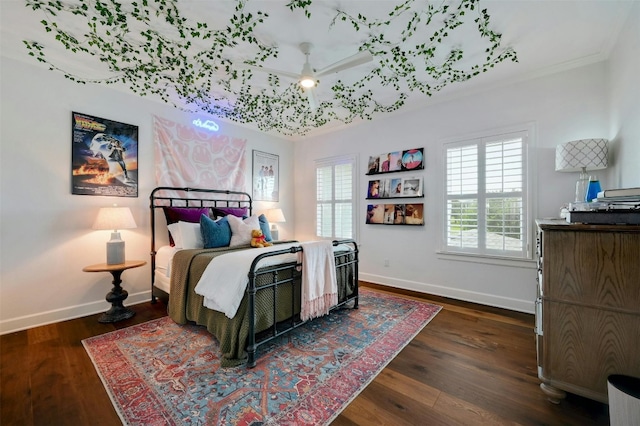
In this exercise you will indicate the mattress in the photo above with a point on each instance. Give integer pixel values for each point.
(162, 274)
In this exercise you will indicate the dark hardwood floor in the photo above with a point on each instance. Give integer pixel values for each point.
(470, 365)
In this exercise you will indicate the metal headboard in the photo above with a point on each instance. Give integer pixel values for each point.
(167, 196)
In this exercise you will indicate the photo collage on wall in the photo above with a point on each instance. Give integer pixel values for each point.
(398, 161)
(399, 186)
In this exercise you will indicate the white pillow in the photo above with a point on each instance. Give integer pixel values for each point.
(191, 235)
(186, 235)
(174, 229)
(241, 229)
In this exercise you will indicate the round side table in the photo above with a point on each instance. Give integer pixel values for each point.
(117, 295)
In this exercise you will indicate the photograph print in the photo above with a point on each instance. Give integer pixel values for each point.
(375, 214)
(374, 190)
(395, 188)
(412, 187)
(391, 162)
(414, 214)
(265, 176)
(104, 157)
(413, 159)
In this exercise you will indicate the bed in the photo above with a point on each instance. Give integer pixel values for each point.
(270, 306)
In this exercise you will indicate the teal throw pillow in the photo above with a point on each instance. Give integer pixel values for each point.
(215, 233)
(264, 227)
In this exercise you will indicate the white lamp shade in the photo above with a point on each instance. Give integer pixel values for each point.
(274, 216)
(589, 154)
(114, 218)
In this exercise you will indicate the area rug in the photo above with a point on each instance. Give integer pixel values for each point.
(162, 373)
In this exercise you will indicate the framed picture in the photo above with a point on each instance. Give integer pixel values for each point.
(397, 161)
(395, 214)
(265, 176)
(104, 157)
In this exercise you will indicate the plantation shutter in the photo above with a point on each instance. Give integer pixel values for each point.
(486, 197)
(335, 197)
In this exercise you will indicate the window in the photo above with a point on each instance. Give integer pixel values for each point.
(335, 198)
(486, 196)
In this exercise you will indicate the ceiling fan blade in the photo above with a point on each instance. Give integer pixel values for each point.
(293, 75)
(311, 97)
(349, 62)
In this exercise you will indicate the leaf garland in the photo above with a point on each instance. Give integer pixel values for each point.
(186, 64)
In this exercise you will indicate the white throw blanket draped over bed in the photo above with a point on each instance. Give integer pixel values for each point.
(319, 283)
(224, 281)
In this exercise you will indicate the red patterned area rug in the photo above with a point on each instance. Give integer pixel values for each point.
(162, 373)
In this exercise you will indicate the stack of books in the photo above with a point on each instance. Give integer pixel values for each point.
(612, 206)
(628, 198)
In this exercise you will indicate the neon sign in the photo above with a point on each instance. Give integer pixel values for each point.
(209, 124)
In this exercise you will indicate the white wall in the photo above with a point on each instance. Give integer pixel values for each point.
(624, 83)
(565, 106)
(45, 232)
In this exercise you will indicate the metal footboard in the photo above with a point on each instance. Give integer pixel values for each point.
(286, 278)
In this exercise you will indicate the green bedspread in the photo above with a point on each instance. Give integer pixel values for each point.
(187, 306)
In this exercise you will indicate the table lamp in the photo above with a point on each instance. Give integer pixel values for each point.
(580, 156)
(274, 216)
(115, 218)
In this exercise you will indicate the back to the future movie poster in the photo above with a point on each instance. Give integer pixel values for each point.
(104, 157)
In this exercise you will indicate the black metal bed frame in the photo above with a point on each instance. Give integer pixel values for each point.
(219, 198)
(208, 198)
(343, 260)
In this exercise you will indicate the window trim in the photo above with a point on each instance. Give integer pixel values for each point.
(528, 190)
(334, 161)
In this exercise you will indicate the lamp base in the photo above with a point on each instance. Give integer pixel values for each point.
(115, 249)
(274, 233)
(581, 186)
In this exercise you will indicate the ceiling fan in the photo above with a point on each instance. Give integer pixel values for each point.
(308, 77)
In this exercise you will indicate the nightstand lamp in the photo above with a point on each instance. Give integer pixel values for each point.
(115, 218)
(274, 216)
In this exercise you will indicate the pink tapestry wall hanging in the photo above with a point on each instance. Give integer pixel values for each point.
(189, 157)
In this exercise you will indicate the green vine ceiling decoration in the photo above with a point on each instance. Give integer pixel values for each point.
(153, 49)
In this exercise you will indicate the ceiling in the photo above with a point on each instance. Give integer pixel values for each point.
(547, 36)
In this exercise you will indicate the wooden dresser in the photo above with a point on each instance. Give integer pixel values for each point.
(588, 307)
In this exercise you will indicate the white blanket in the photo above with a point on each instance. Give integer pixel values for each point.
(225, 279)
(319, 284)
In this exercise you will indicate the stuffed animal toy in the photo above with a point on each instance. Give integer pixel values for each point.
(258, 239)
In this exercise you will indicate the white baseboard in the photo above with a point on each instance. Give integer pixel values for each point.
(71, 312)
(527, 306)
(50, 317)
